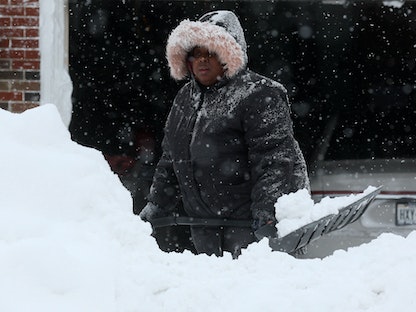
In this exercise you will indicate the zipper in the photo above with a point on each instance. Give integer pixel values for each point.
(192, 121)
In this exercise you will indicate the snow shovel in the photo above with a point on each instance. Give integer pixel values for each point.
(312, 231)
(294, 240)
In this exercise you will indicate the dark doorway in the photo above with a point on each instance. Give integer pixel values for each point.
(332, 56)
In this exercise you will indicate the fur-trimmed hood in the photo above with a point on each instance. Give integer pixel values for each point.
(219, 31)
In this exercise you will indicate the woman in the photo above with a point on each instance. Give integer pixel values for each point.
(229, 150)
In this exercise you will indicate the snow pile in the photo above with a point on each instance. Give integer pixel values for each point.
(394, 4)
(69, 242)
(297, 209)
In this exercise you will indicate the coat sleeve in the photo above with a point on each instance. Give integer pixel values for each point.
(276, 162)
(164, 192)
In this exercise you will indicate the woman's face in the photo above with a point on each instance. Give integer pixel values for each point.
(205, 66)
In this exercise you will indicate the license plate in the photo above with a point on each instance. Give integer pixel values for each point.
(406, 213)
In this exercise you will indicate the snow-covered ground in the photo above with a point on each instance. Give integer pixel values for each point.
(69, 242)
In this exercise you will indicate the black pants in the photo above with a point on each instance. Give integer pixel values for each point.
(216, 240)
(174, 238)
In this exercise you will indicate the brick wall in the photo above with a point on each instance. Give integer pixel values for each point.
(19, 54)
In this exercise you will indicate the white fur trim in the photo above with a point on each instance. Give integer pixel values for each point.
(215, 38)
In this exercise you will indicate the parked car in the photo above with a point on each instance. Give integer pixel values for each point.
(362, 147)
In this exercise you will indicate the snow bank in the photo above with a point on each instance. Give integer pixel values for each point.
(69, 242)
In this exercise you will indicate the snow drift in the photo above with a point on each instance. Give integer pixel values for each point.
(70, 242)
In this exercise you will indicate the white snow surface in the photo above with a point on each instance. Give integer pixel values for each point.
(69, 242)
(297, 209)
(394, 4)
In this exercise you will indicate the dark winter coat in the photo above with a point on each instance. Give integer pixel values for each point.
(229, 149)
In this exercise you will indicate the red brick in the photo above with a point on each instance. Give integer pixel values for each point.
(26, 64)
(21, 85)
(21, 107)
(11, 96)
(4, 2)
(4, 43)
(25, 21)
(25, 2)
(5, 85)
(32, 32)
(5, 21)
(32, 54)
(32, 11)
(32, 96)
(31, 75)
(4, 64)
(11, 32)
(12, 11)
(12, 75)
(25, 43)
(17, 54)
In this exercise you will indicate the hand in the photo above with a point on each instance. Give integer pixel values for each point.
(258, 223)
(268, 230)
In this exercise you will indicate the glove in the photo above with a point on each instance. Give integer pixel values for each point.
(260, 222)
(151, 211)
(266, 230)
